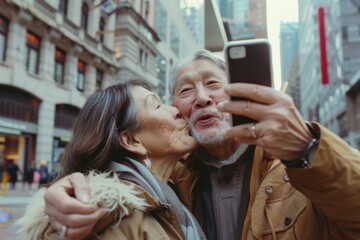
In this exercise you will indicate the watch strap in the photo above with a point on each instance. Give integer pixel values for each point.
(303, 160)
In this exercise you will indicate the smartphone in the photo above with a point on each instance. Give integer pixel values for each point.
(248, 61)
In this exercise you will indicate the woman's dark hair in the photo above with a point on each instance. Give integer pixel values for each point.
(95, 141)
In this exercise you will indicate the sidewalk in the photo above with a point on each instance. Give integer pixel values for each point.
(16, 196)
(12, 207)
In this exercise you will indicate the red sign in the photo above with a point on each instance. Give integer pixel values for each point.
(323, 53)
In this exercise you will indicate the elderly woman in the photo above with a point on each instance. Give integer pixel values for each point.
(127, 130)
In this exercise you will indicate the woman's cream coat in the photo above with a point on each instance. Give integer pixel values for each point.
(141, 215)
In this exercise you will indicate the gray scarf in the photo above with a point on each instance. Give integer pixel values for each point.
(140, 175)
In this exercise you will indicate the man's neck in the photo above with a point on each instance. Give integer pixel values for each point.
(222, 151)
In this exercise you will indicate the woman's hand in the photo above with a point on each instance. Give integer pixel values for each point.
(280, 129)
(67, 203)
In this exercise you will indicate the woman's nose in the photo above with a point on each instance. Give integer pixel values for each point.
(175, 111)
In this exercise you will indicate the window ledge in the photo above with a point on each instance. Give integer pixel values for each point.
(36, 76)
(5, 64)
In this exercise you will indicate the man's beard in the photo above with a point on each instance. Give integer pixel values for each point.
(205, 138)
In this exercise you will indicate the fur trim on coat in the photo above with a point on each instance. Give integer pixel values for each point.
(109, 193)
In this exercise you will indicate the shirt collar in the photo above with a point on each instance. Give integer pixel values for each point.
(209, 160)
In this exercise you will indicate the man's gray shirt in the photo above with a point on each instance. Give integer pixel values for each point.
(226, 187)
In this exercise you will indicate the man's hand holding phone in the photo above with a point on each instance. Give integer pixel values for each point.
(261, 115)
(279, 129)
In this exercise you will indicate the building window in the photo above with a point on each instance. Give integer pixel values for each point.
(99, 79)
(63, 5)
(161, 75)
(143, 56)
(161, 20)
(81, 76)
(16, 104)
(343, 124)
(102, 26)
(3, 35)
(174, 41)
(59, 66)
(147, 9)
(141, 52)
(32, 52)
(344, 31)
(145, 59)
(84, 16)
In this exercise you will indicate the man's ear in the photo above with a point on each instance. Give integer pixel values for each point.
(131, 142)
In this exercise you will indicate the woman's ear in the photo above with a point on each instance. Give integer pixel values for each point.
(131, 142)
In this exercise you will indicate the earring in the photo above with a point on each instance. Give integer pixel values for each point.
(147, 163)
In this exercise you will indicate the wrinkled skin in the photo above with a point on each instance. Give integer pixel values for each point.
(198, 88)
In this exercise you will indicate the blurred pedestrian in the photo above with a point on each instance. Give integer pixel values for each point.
(13, 171)
(2, 169)
(52, 174)
(4, 182)
(36, 177)
(44, 173)
(29, 175)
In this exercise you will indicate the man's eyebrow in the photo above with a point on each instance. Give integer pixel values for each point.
(187, 77)
(183, 78)
(209, 72)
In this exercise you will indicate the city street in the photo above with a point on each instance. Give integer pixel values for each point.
(12, 206)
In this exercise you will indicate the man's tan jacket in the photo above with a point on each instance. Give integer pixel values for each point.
(322, 202)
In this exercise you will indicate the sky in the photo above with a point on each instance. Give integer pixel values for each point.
(279, 11)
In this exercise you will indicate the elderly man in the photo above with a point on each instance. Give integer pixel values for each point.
(239, 191)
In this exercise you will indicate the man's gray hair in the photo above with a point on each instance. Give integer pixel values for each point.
(198, 55)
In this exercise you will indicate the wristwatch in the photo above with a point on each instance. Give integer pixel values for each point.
(303, 160)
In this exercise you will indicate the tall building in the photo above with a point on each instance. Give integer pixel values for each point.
(180, 25)
(244, 19)
(325, 102)
(289, 47)
(193, 17)
(350, 27)
(290, 61)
